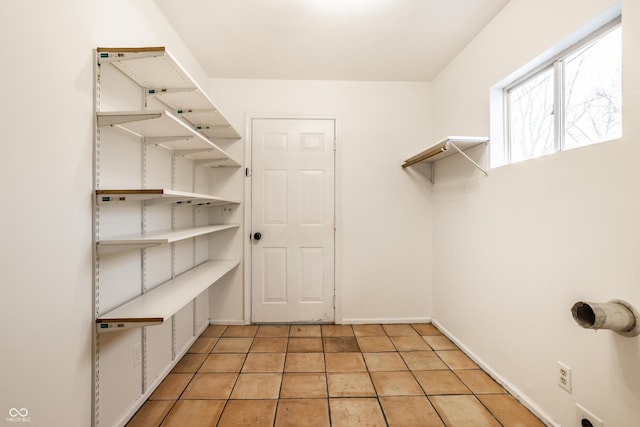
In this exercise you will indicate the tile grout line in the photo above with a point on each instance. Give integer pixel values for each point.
(189, 382)
(326, 380)
(422, 388)
(226, 402)
(326, 334)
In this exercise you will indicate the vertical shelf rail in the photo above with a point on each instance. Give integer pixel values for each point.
(95, 379)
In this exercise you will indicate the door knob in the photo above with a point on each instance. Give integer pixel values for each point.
(257, 236)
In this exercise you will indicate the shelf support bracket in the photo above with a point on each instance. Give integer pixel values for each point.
(192, 151)
(150, 140)
(210, 161)
(484, 171)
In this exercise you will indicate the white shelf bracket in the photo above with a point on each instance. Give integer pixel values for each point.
(193, 151)
(109, 120)
(150, 140)
(484, 171)
(210, 161)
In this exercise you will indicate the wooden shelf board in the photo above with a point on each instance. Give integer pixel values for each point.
(120, 50)
(163, 301)
(442, 149)
(157, 196)
(154, 239)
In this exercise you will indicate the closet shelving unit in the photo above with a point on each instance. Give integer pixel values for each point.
(447, 147)
(188, 126)
(161, 235)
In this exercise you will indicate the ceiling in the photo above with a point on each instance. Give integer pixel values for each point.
(368, 40)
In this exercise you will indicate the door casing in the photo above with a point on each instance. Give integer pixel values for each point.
(248, 208)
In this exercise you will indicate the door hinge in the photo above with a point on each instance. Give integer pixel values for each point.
(334, 222)
(334, 145)
(247, 172)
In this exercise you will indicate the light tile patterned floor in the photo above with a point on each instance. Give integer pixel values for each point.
(329, 375)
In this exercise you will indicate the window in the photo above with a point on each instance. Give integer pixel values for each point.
(571, 101)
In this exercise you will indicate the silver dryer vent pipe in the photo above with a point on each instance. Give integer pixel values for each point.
(616, 315)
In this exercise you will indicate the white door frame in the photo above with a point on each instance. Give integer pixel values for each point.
(248, 205)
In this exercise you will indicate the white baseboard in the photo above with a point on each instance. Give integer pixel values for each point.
(513, 390)
(385, 320)
(234, 322)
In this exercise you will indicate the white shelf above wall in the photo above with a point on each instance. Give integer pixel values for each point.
(141, 241)
(447, 147)
(159, 304)
(167, 130)
(156, 70)
(158, 197)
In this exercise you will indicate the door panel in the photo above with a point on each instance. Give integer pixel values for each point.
(274, 275)
(311, 274)
(275, 197)
(293, 210)
(311, 197)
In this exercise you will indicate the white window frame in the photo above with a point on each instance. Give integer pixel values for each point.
(556, 63)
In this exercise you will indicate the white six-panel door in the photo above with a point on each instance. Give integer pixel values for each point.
(292, 186)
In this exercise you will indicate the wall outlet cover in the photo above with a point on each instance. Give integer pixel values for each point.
(564, 376)
(586, 418)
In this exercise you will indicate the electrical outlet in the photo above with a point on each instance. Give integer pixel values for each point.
(564, 376)
(587, 419)
(137, 355)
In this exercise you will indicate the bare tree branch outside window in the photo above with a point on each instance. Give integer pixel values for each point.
(593, 105)
(591, 100)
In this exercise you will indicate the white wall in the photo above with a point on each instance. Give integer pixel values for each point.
(46, 178)
(384, 212)
(514, 251)
(45, 223)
